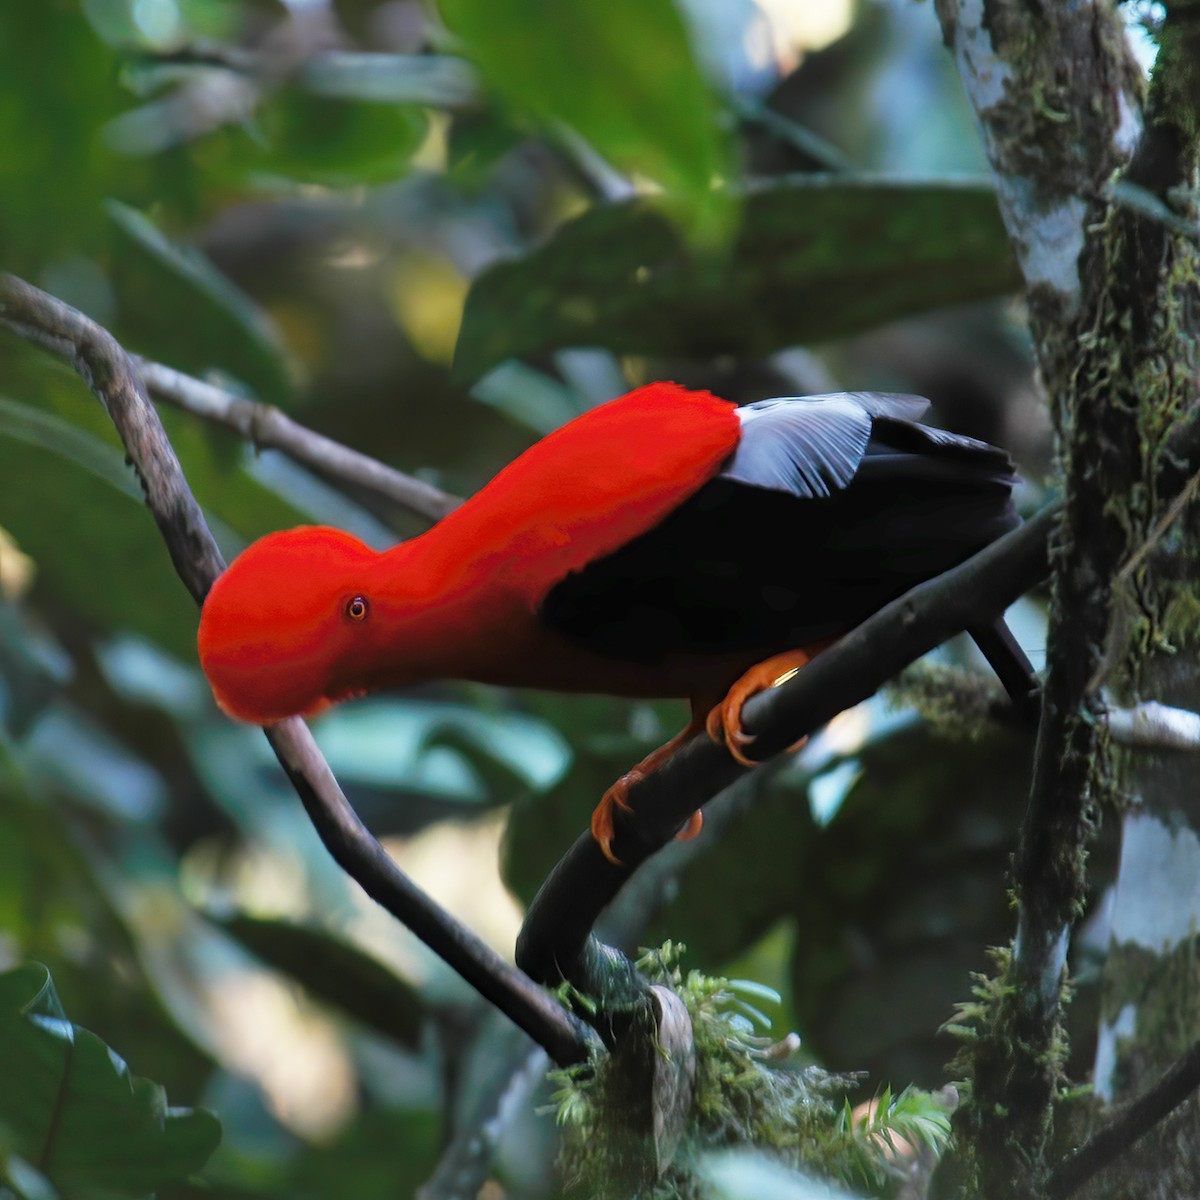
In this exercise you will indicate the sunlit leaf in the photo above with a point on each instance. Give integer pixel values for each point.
(75, 1109)
(621, 73)
(816, 258)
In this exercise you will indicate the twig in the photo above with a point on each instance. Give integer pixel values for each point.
(269, 428)
(553, 944)
(1146, 204)
(265, 427)
(466, 1161)
(1138, 1118)
(108, 371)
(1158, 532)
(114, 378)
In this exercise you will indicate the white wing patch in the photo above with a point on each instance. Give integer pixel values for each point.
(811, 446)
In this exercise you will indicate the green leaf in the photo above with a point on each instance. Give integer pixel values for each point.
(54, 169)
(336, 973)
(337, 143)
(815, 258)
(902, 890)
(619, 72)
(759, 856)
(97, 554)
(75, 1111)
(158, 279)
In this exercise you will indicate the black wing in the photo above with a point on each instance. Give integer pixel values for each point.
(830, 507)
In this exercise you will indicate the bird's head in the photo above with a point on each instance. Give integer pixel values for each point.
(286, 630)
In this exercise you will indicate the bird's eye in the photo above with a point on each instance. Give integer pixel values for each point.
(356, 608)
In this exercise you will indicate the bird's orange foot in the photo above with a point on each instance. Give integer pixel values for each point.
(617, 796)
(724, 724)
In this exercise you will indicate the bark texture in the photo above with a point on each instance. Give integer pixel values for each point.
(1058, 100)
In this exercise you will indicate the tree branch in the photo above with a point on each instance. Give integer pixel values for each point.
(269, 428)
(554, 941)
(264, 426)
(1136, 1119)
(114, 379)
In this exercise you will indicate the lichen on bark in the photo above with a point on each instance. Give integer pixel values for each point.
(1116, 356)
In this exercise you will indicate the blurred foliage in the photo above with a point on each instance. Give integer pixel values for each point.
(813, 259)
(318, 206)
(71, 1106)
(601, 68)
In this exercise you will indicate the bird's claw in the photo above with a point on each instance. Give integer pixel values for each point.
(724, 728)
(617, 796)
(724, 723)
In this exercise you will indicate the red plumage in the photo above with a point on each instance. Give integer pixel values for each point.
(662, 544)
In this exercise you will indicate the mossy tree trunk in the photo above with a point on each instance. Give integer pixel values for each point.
(1111, 283)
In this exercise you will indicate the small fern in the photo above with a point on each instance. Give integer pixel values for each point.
(747, 1094)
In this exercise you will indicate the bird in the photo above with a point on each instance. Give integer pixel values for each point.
(665, 544)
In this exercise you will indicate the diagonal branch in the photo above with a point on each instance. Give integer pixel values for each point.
(1136, 1119)
(554, 942)
(264, 426)
(114, 378)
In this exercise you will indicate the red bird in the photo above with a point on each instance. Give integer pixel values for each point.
(666, 544)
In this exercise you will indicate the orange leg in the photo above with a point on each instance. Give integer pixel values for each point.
(617, 796)
(724, 722)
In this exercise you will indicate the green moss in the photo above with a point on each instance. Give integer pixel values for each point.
(992, 1029)
(746, 1094)
(1165, 991)
(959, 705)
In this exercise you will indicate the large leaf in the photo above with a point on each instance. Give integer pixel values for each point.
(815, 258)
(335, 972)
(50, 889)
(98, 555)
(73, 1108)
(53, 100)
(96, 549)
(619, 72)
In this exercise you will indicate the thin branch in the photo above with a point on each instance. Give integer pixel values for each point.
(1138, 1118)
(554, 941)
(1153, 726)
(269, 428)
(466, 1162)
(114, 378)
(1172, 513)
(264, 426)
